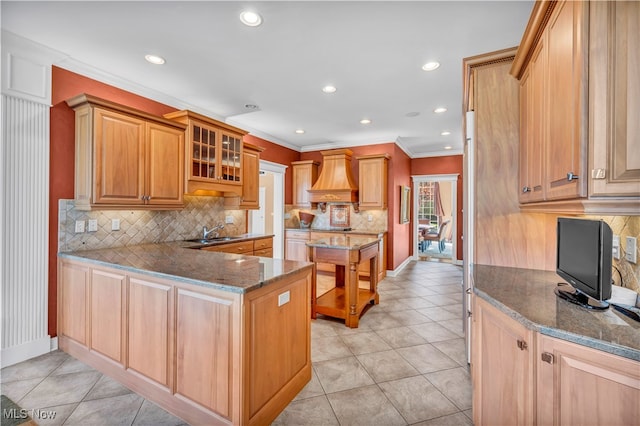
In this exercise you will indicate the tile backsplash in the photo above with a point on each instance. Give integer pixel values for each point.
(145, 226)
(358, 221)
(624, 226)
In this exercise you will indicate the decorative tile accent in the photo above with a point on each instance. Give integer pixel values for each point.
(359, 221)
(145, 226)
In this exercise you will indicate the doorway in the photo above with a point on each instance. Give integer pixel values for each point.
(269, 219)
(434, 217)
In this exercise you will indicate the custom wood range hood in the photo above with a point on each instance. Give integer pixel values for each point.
(335, 183)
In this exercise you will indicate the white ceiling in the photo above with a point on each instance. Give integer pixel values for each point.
(371, 51)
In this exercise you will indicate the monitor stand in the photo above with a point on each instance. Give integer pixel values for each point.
(573, 295)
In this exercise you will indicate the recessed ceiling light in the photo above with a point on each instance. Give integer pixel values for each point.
(440, 110)
(365, 121)
(250, 18)
(154, 59)
(430, 66)
(412, 114)
(329, 89)
(251, 106)
(447, 147)
(445, 133)
(300, 131)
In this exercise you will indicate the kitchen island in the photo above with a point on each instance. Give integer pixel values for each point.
(213, 338)
(346, 300)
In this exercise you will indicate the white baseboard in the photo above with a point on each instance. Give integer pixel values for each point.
(19, 353)
(399, 269)
(54, 343)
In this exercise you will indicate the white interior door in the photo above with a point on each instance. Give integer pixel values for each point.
(258, 224)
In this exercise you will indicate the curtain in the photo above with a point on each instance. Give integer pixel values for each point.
(437, 200)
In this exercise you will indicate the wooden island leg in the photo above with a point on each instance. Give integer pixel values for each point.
(351, 300)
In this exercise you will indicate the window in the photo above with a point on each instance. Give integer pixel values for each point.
(426, 203)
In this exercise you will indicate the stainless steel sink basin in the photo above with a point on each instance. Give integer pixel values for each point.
(212, 240)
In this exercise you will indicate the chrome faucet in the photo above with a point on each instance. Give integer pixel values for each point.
(206, 232)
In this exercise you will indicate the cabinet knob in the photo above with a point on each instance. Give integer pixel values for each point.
(571, 177)
(525, 189)
(522, 345)
(547, 357)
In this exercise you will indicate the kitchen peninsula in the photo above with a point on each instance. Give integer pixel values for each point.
(199, 333)
(346, 300)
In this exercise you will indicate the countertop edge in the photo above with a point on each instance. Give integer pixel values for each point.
(181, 279)
(586, 341)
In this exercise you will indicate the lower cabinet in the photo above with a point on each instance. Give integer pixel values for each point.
(262, 247)
(296, 245)
(523, 377)
(580, 386)
(502, 367)
(206, 355)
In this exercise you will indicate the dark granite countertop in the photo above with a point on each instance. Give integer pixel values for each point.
(339, 231)
(177, 261)
(527, 296)
(343, 243)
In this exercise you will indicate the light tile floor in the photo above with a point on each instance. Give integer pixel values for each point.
(404, 364)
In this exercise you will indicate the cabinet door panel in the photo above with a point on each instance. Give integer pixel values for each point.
(275, 356)
(107, 318)
(251, 180)
(502, 371)
(567, 112)
(585, 386)
(614, 90)
(204, 339)
(150, 348)
(165, 165)
(119, 157)
(297, 250)
(73, 301)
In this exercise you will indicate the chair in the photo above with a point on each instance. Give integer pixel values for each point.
(439, 237)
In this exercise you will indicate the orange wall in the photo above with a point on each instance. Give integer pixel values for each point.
(444, 166)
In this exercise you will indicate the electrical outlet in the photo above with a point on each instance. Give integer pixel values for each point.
(632, 250)
(79, 226)
(370, 218)
(284, 298)
(115, 224)
(93, 225)
(287, 215)
(615, 247)
(228, 219)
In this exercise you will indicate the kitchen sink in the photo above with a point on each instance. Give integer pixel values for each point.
(212, 240)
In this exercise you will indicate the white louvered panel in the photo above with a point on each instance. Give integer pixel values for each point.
(25, 199)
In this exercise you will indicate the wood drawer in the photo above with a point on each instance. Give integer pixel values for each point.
(263, 243)
(240, 247)
(297, 235)
(268, 252)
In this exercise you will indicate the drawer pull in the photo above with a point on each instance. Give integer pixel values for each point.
(547, 357)
(522, 345)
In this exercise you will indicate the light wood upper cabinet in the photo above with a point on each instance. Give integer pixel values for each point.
(372, 182)
(533, 127)
(614, 90)
(502, 367)
(305, 174)
(566, 147)
(579, 103)
(579, 386)
(213, 157)
(250, 198)
(126, 158)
